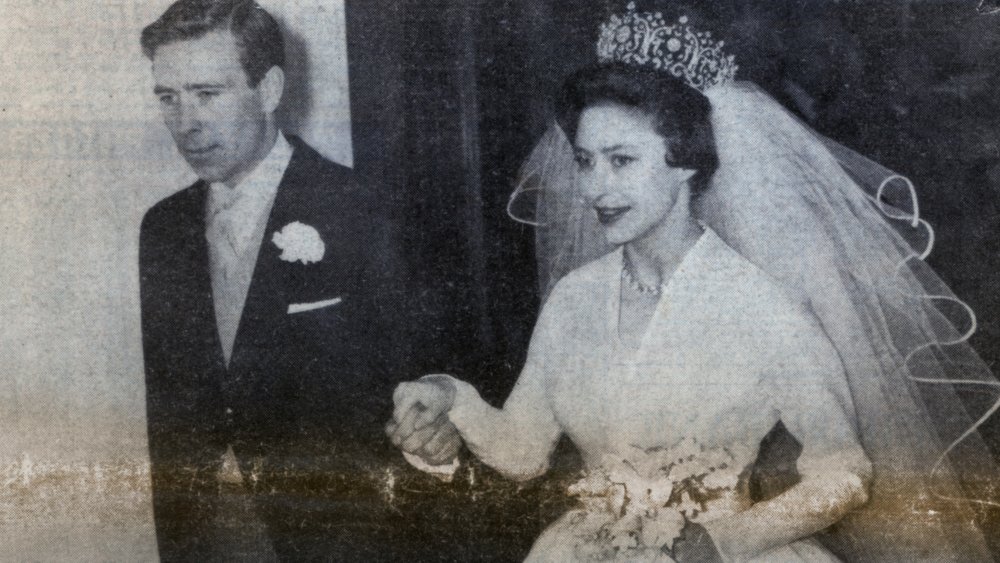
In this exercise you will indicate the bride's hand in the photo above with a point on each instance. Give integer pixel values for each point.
(420, 424)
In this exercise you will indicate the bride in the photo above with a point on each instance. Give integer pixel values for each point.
(717, 270)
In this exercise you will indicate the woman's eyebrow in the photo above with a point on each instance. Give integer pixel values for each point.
(606, 150)
(617, 147)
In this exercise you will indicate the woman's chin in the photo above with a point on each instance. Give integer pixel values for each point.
(618, 237)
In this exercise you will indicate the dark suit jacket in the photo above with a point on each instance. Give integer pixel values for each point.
(306, 395)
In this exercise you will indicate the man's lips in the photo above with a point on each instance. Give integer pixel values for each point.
(609, 215)
(198, 151)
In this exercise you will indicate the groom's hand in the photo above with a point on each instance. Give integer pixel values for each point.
(436, 444)
(420, 424)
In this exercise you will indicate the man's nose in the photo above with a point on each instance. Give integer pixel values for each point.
(188, 117)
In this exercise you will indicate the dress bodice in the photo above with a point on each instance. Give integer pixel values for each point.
(725, 357)
(717, 362)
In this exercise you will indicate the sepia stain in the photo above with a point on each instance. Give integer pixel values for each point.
(989, 7)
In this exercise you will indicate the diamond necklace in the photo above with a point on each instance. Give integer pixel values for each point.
(635, 284)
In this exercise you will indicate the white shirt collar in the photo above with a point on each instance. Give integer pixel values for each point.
(246, 204)
(267, 175)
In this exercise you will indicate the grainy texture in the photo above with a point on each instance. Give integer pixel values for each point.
(447, 98)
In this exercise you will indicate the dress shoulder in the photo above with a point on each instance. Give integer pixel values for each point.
(732, 300)
(745, 284)
(590, 279)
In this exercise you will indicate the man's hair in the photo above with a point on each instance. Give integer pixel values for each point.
(257, 34)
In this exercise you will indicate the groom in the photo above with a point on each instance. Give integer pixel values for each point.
(270, 329)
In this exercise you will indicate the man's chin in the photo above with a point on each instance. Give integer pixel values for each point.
(207, 173)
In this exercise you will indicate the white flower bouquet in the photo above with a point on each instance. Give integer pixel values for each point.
(647, 496)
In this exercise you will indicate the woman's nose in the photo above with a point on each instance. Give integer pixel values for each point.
(594, 183)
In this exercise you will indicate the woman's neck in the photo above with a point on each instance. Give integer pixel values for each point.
(654, 258)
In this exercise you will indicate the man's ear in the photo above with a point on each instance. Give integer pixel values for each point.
(271, 88)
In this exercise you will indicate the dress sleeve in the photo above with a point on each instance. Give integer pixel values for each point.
(518, 439)
(809, 394)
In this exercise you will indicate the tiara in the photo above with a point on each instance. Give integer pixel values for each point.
(646, 39)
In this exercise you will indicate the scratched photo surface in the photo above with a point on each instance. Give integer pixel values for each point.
(423, 113)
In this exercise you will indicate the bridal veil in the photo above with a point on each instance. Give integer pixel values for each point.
(843, 235)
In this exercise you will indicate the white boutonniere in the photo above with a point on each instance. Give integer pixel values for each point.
(299, 243)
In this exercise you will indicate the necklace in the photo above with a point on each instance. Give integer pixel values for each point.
(635, 284)
(653, 291)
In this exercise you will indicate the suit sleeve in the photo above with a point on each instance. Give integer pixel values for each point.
(181, 470)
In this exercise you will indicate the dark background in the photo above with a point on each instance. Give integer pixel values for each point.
(449, 96)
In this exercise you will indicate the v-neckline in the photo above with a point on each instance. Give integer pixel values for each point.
(622, 351)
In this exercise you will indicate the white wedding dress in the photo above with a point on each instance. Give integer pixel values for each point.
(726, 356)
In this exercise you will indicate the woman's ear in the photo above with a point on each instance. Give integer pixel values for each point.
(686, 174)
(272, 86)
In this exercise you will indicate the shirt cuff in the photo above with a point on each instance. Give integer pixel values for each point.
(444, 472)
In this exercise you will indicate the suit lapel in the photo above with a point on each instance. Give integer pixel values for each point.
(275, 283)
(266, 301)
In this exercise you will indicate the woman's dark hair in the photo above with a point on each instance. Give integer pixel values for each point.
(682, 114)
(257, 33)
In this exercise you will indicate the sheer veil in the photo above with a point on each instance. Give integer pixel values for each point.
(843, 235)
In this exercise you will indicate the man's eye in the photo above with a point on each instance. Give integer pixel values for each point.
(168, 99)
(620, 160)
(205, 95)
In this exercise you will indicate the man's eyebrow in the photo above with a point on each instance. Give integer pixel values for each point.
(163, 90)
(206, 86)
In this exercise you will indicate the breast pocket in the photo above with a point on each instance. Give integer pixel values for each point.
(326, 320)
(310, 306)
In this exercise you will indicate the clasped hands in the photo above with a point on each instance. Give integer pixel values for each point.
(420, 424)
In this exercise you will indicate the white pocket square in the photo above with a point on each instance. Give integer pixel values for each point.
(303, 307)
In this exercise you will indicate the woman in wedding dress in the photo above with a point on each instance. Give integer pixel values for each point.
(726, 273)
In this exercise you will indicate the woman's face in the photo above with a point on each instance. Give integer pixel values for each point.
(623, 172)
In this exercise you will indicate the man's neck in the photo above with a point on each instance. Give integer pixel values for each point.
(270, 136)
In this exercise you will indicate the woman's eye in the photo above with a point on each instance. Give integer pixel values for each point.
(620, 160)
(583, 162)
(168, 99)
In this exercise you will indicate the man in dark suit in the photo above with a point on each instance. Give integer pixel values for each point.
(272, 330)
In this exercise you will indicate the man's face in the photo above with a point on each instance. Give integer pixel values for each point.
(216, 118)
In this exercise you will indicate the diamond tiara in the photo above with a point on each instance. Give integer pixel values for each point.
(646, 39)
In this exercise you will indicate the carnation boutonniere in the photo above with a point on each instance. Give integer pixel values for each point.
(299, 243)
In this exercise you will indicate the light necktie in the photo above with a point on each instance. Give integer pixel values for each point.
(227, 286)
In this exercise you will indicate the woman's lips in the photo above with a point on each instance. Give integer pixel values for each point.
(610, 215)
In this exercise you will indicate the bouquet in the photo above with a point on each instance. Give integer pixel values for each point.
(648, 495)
